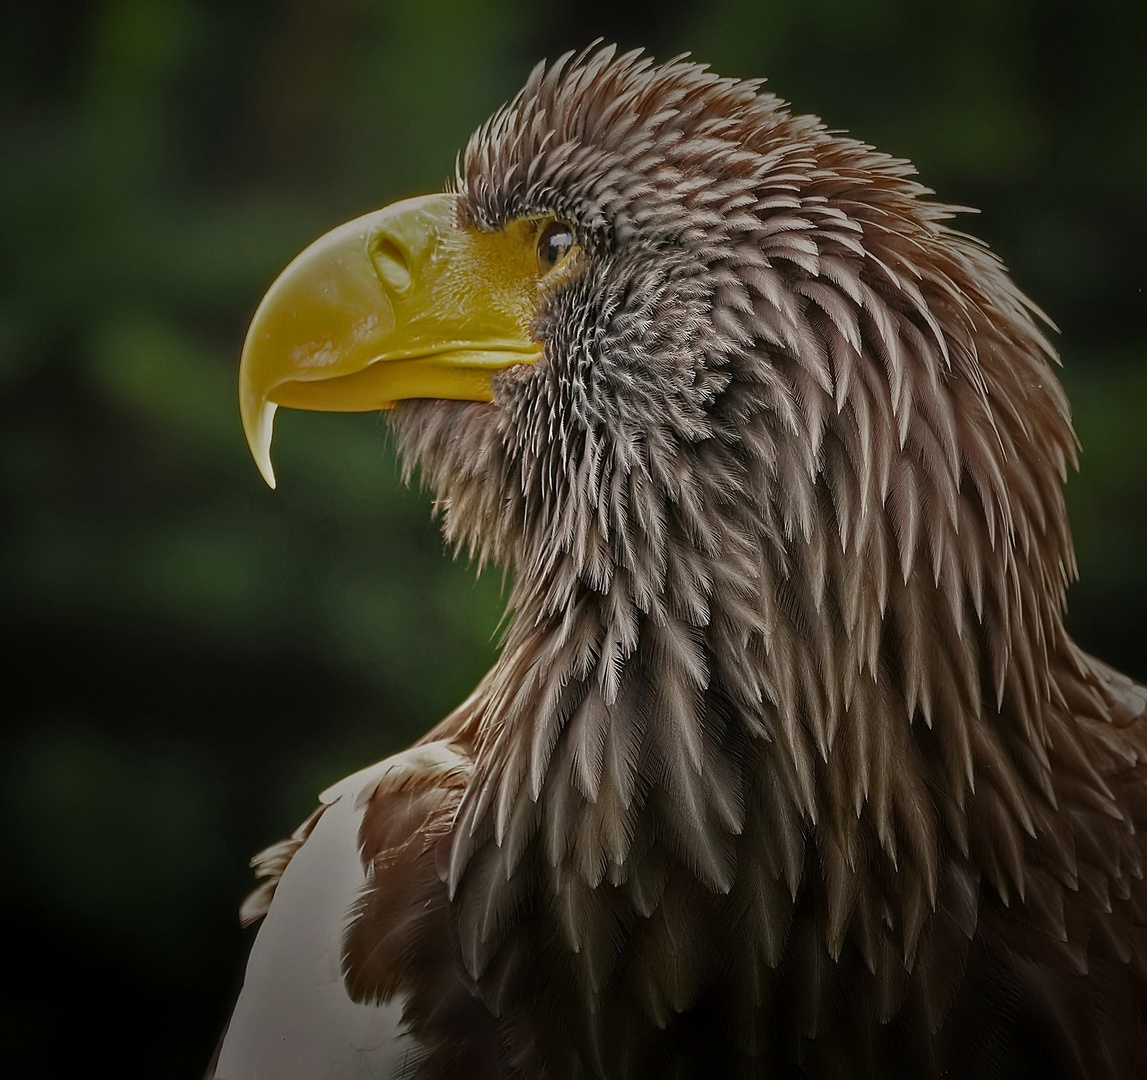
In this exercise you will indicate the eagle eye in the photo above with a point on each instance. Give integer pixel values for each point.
(554, 244)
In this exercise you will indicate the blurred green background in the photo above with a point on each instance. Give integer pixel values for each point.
(189, 657)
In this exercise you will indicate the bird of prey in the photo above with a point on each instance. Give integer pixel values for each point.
(787, 766)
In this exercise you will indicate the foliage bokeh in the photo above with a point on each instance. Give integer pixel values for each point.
(190, 657)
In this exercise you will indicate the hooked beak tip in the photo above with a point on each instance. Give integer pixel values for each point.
(259, 428)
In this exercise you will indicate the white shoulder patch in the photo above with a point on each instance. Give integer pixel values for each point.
(294, 1020)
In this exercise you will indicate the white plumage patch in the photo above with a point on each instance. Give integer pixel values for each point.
(294, 1019)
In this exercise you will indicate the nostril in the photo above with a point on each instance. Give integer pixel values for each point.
(390, 262)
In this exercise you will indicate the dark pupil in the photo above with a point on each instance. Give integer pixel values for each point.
(553, 244)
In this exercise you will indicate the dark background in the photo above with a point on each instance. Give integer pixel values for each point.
(189, 657)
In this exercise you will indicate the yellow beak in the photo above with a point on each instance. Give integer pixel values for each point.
(402, 303)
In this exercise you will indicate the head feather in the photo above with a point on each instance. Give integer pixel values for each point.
(783, 505)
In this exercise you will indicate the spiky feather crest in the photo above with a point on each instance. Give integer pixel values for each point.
(785, 675)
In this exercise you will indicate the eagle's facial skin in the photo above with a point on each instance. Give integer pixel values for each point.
(785, 686)
(621, 386)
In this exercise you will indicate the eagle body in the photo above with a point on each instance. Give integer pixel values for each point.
(788, 766)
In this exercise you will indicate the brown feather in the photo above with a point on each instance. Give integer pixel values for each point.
(787, 757)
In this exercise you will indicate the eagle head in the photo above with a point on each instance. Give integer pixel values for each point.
(713, 381)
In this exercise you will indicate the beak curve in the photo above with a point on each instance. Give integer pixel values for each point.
(405, 302)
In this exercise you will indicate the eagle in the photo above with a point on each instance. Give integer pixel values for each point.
(787, 766)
